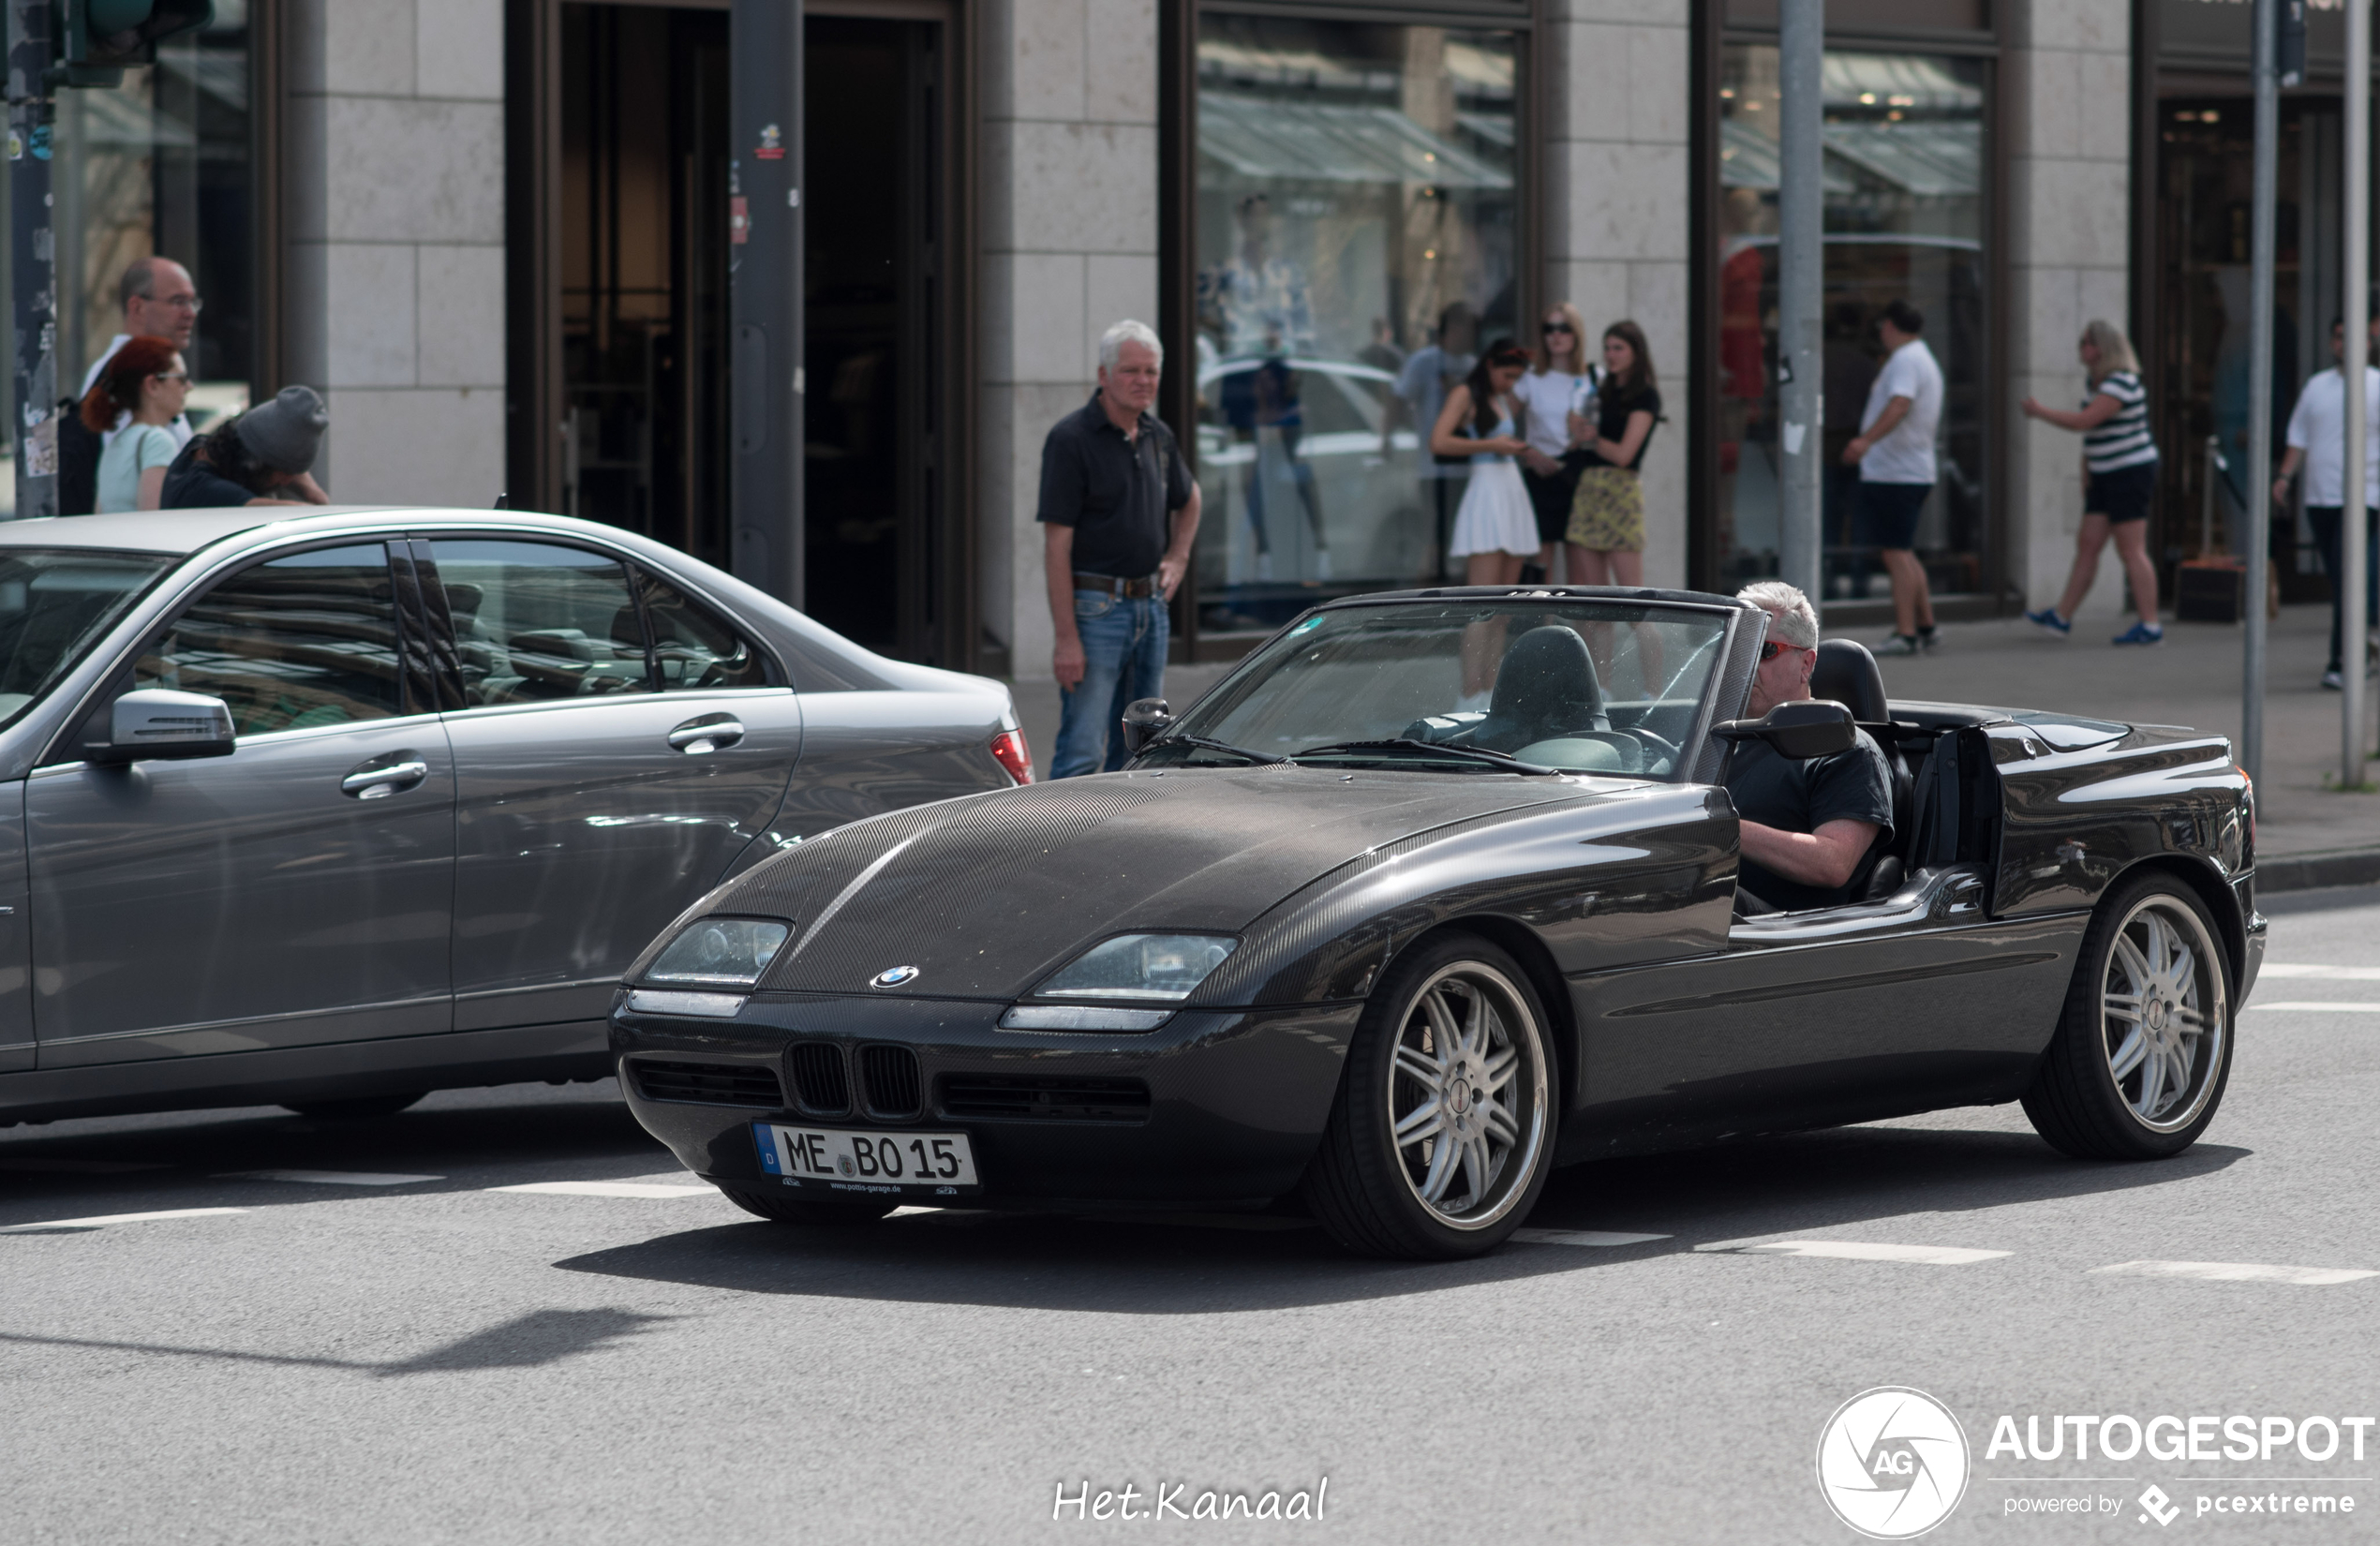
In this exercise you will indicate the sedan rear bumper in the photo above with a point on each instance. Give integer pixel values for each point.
(1213, 1108)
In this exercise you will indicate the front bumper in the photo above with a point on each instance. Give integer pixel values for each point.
(1234, 1105)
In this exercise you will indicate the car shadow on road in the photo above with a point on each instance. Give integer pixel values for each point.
(1153, 1264)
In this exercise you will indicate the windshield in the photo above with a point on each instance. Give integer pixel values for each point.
(1582, 687)
(53, 603)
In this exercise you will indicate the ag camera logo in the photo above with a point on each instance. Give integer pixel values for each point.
(1891, 1462)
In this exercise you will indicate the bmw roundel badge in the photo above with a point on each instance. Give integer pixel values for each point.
(894, 976)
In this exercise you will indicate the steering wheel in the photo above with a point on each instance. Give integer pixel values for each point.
(1655, 745)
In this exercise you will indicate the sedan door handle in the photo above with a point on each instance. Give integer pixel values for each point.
(379, 783)
(714, 733)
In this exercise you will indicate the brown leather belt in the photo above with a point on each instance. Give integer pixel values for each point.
(1115, 585)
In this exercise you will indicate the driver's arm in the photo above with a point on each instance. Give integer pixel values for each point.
(1824, 858)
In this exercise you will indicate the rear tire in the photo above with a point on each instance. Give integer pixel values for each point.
(2143, 1050)
(359, 1108)
(781, 1210)
(1443, 1132)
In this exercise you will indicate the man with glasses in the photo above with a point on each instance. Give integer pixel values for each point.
(1805, 824)
(159, 302)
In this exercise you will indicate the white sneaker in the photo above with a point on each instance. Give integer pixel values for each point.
(1895, 644)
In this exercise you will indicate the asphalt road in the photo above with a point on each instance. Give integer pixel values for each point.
(434, 1359)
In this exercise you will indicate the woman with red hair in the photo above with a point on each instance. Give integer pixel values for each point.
(142, 388)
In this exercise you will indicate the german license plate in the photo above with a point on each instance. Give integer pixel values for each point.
(839, 1160)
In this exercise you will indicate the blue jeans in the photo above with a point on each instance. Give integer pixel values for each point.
(2326, 522)
(1124, 658)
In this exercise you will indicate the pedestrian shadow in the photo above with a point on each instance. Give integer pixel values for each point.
(1156, 1265)
(532, 1341)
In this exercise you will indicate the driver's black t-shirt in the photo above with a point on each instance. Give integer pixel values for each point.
(1790, 796)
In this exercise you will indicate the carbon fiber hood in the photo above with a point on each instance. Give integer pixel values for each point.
(988, 894)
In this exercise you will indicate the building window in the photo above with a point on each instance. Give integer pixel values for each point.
(1356, 242)
(1904, 201)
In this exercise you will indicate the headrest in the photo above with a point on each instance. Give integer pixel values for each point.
(1847, 673)
(1546, 687)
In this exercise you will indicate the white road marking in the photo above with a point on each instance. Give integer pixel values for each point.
(102, 1220)
(2237, 1272)
(1853, 1250)
(608, 1189)
(2337, 974)
(82, 1167)
(1581, 1237)
(2318, 1006)
(329, 1178)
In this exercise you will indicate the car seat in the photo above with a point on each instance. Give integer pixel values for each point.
(1847, 674)
(1546, 689)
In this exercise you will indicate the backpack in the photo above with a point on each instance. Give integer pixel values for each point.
(79, 449)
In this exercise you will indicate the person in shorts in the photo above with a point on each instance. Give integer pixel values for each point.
(1895, 454)
(2119, 480)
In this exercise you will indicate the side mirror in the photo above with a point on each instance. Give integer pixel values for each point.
(1144, 720)
(156, 723)
(1799, 731)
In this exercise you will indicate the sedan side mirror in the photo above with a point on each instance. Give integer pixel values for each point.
(1144, 720)
(1799, 731)
(156, 723)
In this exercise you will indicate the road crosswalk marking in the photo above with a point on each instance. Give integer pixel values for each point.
(1854, 1249)
(330, 1178)
(2237, 1272)
(2320, 1006)
(101, 1221)
(2336, 974)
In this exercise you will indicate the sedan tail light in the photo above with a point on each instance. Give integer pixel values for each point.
(1009, 748)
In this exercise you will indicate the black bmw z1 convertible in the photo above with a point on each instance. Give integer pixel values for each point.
(1435, 892)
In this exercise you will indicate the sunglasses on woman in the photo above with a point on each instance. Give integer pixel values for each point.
(1771, 648)
(1557, 327)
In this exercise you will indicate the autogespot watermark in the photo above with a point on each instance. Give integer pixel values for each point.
(1171, 1500)
(1892, 1463)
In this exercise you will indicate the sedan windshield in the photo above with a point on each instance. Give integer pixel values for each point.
(53, 603)
(1580, 687)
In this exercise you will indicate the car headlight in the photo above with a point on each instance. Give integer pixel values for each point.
(1140, 966)
(720, 952)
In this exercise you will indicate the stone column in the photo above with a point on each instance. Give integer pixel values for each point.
(1617, 193)
(393, 201)
(1068, 190)
(2068, 137)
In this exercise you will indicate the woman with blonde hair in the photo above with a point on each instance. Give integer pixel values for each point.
(1559, 384)
(2119, 477)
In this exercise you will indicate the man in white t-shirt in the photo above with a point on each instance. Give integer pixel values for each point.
(159, 302)
(2317, 441)
(1895, 454)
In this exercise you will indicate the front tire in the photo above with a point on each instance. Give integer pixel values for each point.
(1443, 1133)
(2143, 1048)
(782, 1209)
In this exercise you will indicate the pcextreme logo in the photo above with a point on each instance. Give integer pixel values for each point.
(1891, 1462)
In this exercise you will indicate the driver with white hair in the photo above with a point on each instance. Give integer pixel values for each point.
(1805, 824)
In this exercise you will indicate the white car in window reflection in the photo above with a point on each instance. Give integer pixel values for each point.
(1311, 470)
(333, 811)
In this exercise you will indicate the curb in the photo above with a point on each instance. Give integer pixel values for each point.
(2309, 871)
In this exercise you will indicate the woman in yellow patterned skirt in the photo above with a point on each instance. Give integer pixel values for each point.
(1607, 514)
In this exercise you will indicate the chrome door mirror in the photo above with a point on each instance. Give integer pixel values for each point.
(1144, 720)
(155, 724)
(1798, 731)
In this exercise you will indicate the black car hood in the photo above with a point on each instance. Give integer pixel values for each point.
(988, 894)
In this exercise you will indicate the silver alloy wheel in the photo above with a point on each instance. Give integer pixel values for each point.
(1467, 1096)
(2163, 1014)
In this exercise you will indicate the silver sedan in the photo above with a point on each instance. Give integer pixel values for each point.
(333, 811)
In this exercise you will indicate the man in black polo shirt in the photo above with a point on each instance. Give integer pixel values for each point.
(1805, 824)
(1120, 510)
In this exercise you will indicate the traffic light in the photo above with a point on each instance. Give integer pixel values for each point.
(100, 38)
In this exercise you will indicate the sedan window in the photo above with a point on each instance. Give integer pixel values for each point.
(693, 648)
(53, 604)
(299, 642)
(537, 622)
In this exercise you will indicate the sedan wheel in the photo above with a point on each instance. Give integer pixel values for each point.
(1442, 1136)
(2144, 1048)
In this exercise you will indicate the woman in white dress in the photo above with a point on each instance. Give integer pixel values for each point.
(1496, 529)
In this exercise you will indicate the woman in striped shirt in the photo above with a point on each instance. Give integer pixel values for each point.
(2120, 474)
